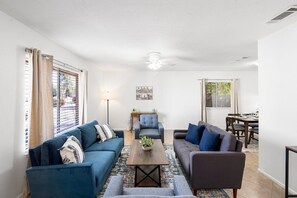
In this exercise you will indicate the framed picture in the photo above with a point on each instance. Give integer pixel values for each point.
(144, 93)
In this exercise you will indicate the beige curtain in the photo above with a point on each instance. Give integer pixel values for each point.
(203, 100)
(41, 116)
(234, 96)
(83, 90)
(41, 126)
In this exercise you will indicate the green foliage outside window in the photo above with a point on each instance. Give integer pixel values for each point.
(218, 94)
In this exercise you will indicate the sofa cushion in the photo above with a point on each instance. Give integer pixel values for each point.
(153, 133)
(182, 150)
(209, 141)
(102, 162)
(88, 134)
(148, 191)
(148, 121)
(50, 154)
(114, 144)
(228, 140)
(194, 133)
(35, 155)
(76, 133)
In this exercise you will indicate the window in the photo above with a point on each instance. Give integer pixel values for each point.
(218, 94)
(28, 90)
(65, 99)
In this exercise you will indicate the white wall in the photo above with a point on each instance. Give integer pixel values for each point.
(278, 107)
(14, 38)
(176, 96)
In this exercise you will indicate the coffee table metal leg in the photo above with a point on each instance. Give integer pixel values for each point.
(148, 175)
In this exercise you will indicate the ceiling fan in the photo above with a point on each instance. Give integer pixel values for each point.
(154, 60)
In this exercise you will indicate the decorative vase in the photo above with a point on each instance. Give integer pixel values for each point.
(146, 148)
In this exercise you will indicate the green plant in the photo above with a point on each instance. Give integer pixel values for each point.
(146, 141)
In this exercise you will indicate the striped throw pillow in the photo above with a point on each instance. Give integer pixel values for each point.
(100, 133)
(71, 152)
(108, 131)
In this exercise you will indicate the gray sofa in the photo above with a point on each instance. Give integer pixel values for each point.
(211, 169)
(115, 189)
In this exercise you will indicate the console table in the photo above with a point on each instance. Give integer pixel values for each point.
(288, 149)
(136, 115)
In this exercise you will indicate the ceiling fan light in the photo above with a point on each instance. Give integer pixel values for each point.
(154, 60)
(154, 66)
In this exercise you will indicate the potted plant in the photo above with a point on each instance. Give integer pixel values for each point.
(146, 143)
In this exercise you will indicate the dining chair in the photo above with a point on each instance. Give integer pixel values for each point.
(233, 126)
(253, 131)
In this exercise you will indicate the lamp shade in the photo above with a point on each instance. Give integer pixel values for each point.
(106, 95)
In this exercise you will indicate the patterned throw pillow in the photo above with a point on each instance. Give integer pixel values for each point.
(71, 152)
(100, 133)
(108, 131)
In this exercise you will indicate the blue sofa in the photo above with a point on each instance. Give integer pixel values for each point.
(50, 178)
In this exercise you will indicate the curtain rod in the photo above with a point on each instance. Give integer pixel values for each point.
(216, 79)
(60, 63)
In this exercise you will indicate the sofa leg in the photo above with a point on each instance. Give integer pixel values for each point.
(195, 192)
(234, 192)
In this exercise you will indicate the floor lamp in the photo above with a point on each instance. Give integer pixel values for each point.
(107, 97)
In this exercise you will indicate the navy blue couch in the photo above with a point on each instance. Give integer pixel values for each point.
(50, 178)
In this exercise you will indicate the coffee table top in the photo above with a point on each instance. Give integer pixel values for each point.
(139, 157)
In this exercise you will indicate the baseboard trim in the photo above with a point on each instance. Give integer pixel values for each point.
(291, 191)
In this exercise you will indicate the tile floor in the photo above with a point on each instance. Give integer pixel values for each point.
(254, 185)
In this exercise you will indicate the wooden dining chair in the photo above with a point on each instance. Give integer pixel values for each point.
(253, 131)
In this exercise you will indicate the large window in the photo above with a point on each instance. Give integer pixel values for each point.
(218, 94)
(65, 99)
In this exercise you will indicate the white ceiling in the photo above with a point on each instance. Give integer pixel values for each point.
(190, 34)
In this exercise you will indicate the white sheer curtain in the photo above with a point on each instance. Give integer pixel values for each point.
(203, 100)
(83, 90)
(234, 96)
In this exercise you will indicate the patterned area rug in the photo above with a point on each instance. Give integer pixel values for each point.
(168, 172)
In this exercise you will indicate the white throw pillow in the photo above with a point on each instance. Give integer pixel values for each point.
(100, 133)
(71, 151)
(108, 131)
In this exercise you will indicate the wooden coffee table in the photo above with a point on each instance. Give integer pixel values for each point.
(147, 162)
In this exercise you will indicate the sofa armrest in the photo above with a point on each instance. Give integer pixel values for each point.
(115, 187)
(181, 186)
(180, 133)
(161, 131)
(119, 133)
(72, 180)
(216, 169)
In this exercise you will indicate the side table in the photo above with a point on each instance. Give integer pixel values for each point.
(288, 149)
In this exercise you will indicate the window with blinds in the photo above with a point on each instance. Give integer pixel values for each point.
(65, 99)
(28, 91)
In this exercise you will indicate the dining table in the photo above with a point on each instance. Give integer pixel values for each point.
(246, 120)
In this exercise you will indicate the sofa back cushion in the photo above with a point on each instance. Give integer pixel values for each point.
(76, 133)
(148, 121)
(35, 155)
(88, 134)
(228, 140)
(50, 155)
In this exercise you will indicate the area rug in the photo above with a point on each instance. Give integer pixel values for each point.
(168, 172)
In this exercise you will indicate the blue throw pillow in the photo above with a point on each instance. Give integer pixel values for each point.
(194, 133)
(209, 141)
